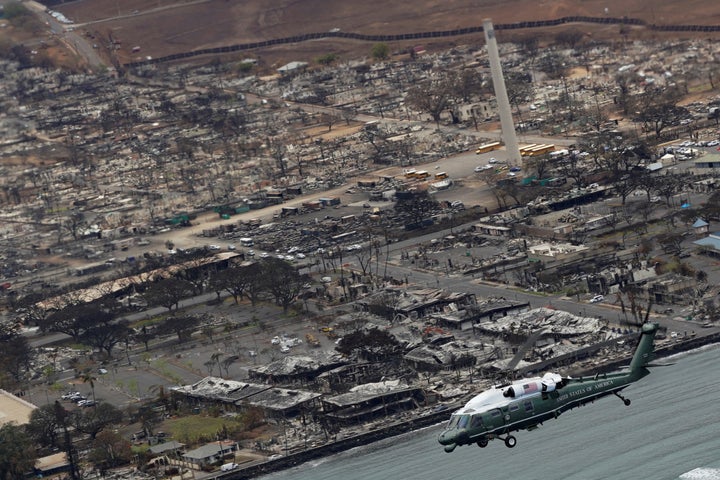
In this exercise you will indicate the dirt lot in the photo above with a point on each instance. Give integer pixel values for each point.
(163, 27)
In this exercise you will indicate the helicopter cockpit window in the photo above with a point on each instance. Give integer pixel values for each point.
(476, 421)
(463, 421)
(453, 421)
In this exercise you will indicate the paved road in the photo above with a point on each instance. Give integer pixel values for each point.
(66, 34)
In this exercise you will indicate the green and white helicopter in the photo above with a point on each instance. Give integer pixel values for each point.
(526, 404)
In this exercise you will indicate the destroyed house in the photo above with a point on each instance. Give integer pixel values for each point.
(463, 319)
(215, 390)
(371, 401)
(449, 356)
(352, 374)
(415, 303)
(236, 395)
(281, 402)
(670, 289)
(541, 323)
(296, 368)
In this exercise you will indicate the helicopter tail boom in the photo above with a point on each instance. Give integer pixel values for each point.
(644, 351)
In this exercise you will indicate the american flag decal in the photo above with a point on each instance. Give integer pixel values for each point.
(530, 387)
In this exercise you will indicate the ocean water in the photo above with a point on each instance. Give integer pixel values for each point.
(671, 431)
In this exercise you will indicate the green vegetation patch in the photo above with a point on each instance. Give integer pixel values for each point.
(195, 428)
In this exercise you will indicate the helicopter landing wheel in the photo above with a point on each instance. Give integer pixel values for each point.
(626, 401)
(510, 441)
(483, 442)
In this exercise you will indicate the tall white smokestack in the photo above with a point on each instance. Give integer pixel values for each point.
(506, 121)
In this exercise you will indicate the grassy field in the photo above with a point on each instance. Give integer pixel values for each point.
(194, 428)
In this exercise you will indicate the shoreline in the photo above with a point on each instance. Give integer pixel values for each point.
(399, 428)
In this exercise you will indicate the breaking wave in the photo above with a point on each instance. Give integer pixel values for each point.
(702, 473)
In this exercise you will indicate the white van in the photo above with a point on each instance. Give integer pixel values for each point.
(229, 466)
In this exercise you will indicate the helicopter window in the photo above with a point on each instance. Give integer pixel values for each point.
(476, 421)
(453, 421)
(463, 421)
(495, 413)
(528, 406)
(514, 408)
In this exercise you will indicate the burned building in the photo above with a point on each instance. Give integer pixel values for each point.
(234, 395)
(297, 368)
(370, 401)
(413, 303)
(456, 318)
(449, 356)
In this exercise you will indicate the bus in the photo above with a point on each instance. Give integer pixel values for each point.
(421, 174)
(540, 150)
(488, 147)
(92, 268)
(526, 148)
(441, 176)
(409, 172)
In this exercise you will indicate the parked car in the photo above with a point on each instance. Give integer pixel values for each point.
(597, 299)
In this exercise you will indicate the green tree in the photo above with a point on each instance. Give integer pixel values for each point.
(327, 59)
(183, 327)
(92, 421)
(15, 10)
(282, 281)
(148, 418)
(110, 450)
(17, 454)
(76, 319)
(106, 336)
(44, 426)
(255, 287)
(380, 51)
(89, 378)
(145, 335)
(15, 354)
(231, 280)
(168, 293)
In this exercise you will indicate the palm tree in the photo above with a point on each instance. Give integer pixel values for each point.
(159, 390)
(88, 377)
